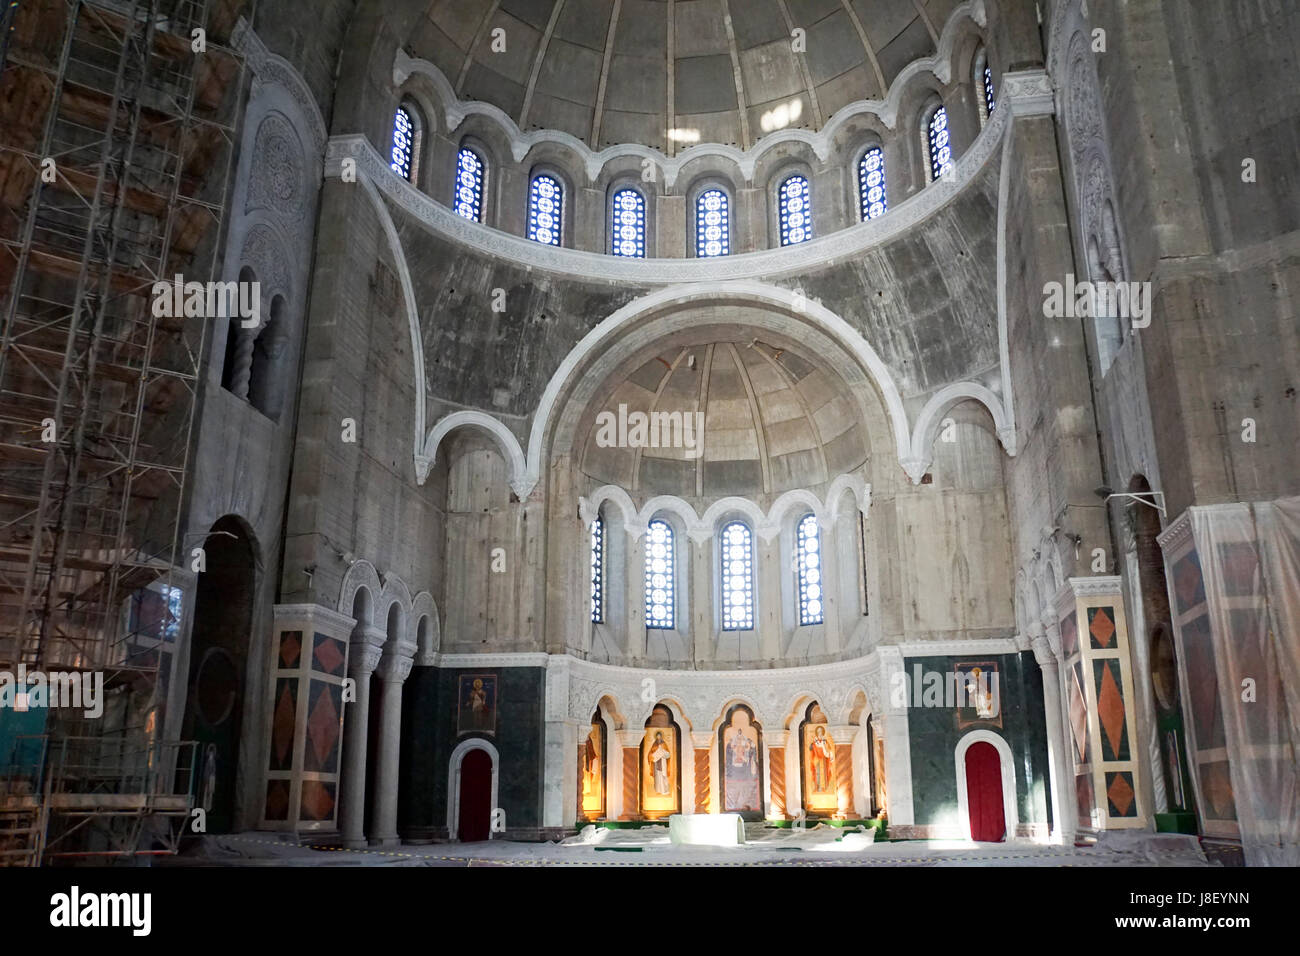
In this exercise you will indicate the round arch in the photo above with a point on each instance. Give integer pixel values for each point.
(1007, 763)
(617, 338)
(453, 780)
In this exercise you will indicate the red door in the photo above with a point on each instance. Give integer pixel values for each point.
(475, 796)
(984, 793)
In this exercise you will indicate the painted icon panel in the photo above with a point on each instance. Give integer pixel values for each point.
(742, 760)
(477, 710)
(818, 752)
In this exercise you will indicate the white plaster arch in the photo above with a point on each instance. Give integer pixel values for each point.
(589, 506)
(797, 703)
(856, 485)
(788, 502)
(847, 708)
(360, 574)
(453, 781)
(939, 65)
(491, 426)
(1009, 804)
(731, 507)
(931, 417)
(675, 707)
(412, 315)
(425, 608)
(730, 700)
(395, 592)
(673, 505)
(742, 290)
(590, 699)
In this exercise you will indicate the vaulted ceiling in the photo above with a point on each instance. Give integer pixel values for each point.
(772, 420)
(668, 73)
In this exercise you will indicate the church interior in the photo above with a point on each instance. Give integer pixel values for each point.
(447, 426)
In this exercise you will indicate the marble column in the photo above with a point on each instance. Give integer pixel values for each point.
(898, 745)
(366, 649)
(394, 668)
(1060, 777)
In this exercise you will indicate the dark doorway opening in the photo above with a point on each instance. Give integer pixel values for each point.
(219, 640)
(475, 796)
(988, 822)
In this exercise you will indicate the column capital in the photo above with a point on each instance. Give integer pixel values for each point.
(397, 660)
(365, 651)
(841, 733)
(1043, 652)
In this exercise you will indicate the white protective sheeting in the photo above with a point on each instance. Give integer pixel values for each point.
(1250, 559)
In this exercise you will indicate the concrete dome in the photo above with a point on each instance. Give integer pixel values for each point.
(772, 421)
(603, 71)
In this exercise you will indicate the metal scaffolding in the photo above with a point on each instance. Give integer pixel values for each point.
(119, 124)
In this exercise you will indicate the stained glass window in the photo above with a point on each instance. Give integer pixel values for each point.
(469, 185)
(871, 183)
(659, 576)
(403, 155)
(989, 102)
(627, 231)
(545, 210)
(796, 211)
(737, 577)
(809, 548)
(712, 224)
(598, 571)
(940, 146)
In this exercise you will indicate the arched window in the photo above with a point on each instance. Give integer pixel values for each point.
(796, 211)
(712, 224)
(984, 84)
(938, 143)
(737, 577)
(809, 549)
(871, 183)
(469, 184)
(659, 581)
(545, 210)
(407, 128)
(627, 226)
(598, 571)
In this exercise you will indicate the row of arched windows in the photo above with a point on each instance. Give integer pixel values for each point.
(736, 570)
(712, 206)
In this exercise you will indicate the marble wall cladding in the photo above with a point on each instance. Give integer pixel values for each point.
(935, 731)
(429, 723)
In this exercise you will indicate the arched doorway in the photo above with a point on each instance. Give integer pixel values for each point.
(223, 616)
(475, 797)
(986, 788)
(472, 780)
(984, 794)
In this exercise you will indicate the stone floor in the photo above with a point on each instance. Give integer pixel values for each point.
(819, 846)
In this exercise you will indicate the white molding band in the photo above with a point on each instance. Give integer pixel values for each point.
(703, 527)
(802, 258)
(455, 111)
